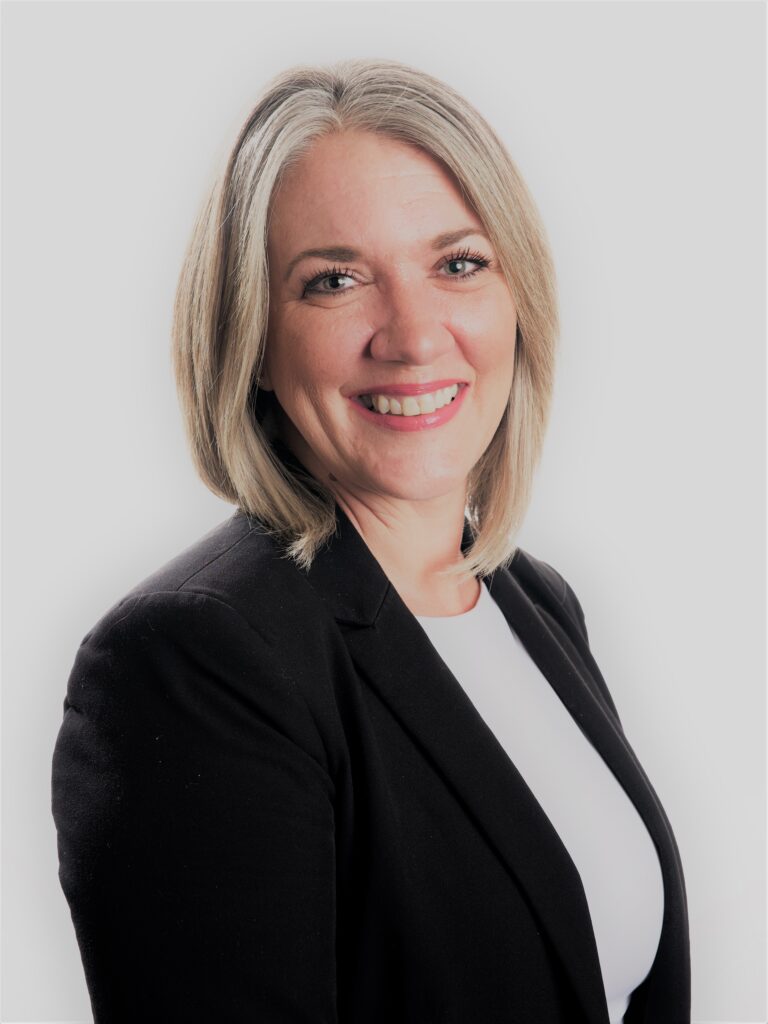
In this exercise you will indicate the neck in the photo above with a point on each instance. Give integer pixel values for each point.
(412, 540)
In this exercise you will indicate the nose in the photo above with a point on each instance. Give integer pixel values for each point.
(411, 326)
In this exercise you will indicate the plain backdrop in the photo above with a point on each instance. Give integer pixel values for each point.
(640, 129)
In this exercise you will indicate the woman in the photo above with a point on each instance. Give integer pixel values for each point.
(349, 757)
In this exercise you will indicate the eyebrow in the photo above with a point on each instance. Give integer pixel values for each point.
(345, 254)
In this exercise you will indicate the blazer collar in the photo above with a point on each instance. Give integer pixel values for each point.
(393, 654)
(352, 582)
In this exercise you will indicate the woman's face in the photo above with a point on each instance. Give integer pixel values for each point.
(401, 305)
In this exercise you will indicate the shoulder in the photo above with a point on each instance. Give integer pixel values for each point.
(235, 571)
(551, 592)
(548, 588)
(196, 641)
(223, 610)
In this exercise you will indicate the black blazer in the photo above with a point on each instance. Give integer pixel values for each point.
(275, 803)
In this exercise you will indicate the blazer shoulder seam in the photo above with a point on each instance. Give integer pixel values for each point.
(134, 599)
(547, 574)
(294, 684)
(211, 561)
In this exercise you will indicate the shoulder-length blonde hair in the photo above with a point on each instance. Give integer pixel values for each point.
(221, 307)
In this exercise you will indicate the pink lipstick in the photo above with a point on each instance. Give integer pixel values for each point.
(422, 421)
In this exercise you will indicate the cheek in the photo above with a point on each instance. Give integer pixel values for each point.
(488, 332)
(315, 357)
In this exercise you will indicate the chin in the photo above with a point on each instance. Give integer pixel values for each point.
(428, 486)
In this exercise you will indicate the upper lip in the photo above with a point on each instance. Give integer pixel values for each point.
(407, 389)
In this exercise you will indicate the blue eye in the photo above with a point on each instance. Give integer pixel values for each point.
(311, 285)
(468, 256)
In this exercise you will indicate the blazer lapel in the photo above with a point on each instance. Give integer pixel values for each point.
(394, 655)
(665, 993)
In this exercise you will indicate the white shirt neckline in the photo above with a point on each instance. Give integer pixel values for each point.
(479, 603)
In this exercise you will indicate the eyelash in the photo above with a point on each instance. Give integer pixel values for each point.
(469, 255)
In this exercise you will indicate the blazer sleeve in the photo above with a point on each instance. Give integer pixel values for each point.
(195, 822)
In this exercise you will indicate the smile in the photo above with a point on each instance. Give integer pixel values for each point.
(411, 412)
(410, 405)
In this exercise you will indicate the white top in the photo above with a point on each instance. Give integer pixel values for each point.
(596, 820)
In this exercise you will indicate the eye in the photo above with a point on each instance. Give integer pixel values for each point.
(311, 284)
(467, 256)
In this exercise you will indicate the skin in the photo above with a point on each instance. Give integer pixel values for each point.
(401, 312)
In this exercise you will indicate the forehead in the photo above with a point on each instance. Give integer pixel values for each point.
(350, 183)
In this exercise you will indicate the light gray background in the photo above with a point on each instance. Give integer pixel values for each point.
(640, 129)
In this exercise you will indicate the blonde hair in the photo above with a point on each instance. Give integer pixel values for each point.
(221, 307)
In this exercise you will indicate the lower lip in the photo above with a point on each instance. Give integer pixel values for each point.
(423, 421)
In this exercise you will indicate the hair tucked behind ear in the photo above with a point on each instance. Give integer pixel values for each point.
(221, 307)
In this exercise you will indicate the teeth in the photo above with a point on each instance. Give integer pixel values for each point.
(411, 405)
